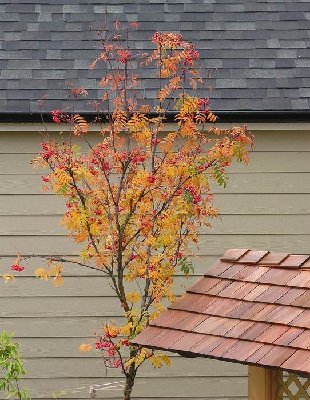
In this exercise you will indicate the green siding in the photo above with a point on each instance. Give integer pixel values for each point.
(266, 205)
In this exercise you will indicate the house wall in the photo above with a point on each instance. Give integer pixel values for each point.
(265, 206)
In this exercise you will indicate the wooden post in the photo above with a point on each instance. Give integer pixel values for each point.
(263, 383)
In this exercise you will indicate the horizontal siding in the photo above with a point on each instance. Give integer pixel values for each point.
(266, 205)
(59, 307)
(29, 287)
(242, 204)
(92, 368)
(265, 182)
(281, 140)
(272, 161)
(202, 263)
(209, 244)
(232, 388)
(269, 224)
(44, 326)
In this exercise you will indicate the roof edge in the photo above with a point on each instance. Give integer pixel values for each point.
(224, 116)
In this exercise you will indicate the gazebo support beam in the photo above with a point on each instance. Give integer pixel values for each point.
(263, 383)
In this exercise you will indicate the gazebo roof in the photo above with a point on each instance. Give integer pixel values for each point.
(252, 307)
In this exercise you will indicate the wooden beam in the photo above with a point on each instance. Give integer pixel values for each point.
(263, 383)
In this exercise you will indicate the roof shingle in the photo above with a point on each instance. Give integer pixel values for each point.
(252, 307)
(261, 48)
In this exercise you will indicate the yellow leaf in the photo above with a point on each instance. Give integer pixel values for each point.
(126, 329)
(130, 361)
(58, 281)
(159, 360)
(156, 361)
(62, 176)
(133, 297)
(54, 270)
(144, 354)
(85, 347)
(8, 277)
(41, 273)
(166, 359)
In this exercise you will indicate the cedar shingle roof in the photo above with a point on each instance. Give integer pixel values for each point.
(252, 307)
(261, 48)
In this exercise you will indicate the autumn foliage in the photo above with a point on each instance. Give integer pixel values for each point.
(137, 197)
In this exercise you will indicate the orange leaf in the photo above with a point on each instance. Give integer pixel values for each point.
(58, 281)
(85, 347)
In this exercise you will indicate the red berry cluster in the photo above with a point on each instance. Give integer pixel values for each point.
(138, 157)
(190, 56)
(124, 56)
(109, 351)
(203, 105)
(196, 197)
(48, 151)
(56, 114)
(17, 268)
(167, 39)
(151, 179)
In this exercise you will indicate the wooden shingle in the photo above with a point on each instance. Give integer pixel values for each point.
(252, 307)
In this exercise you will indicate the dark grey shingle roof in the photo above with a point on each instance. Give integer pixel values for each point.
(261, 47)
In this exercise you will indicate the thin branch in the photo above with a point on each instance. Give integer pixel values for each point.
(65, 260)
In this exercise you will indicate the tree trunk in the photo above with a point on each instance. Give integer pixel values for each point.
(130, 380)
